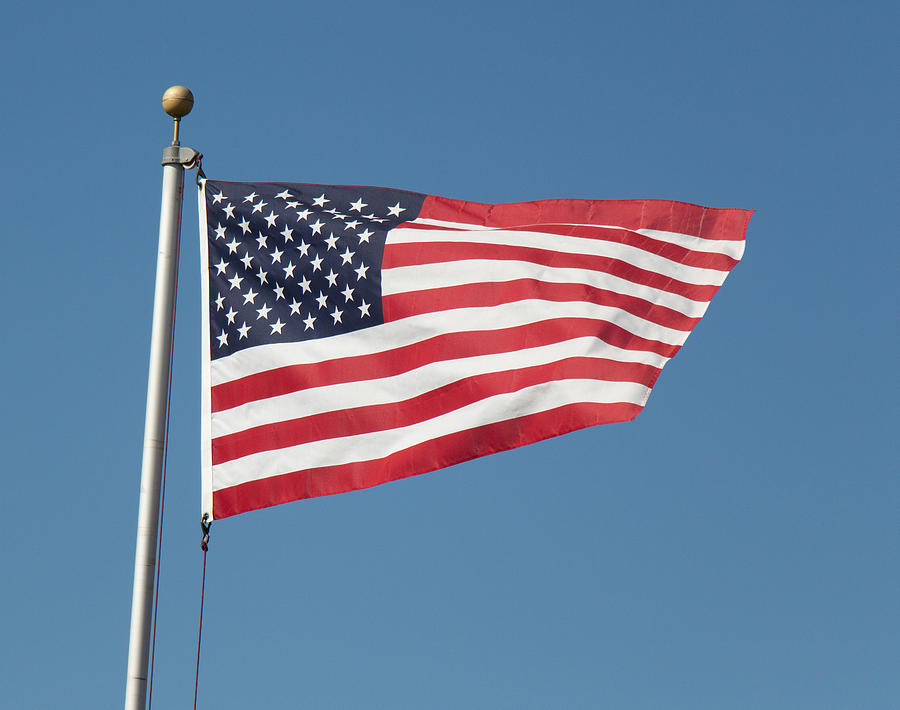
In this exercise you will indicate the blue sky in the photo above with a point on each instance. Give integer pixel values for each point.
(735, 546)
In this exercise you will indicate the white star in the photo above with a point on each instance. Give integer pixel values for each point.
(230, 315)
(303, 247)
(271, 218)
(364, 236)
(236, 281)
(232, 246)
(371, 215)
(295, 307)
(263, 312)
(249, 198)
(261, 240)
(379, 219)
(322, 299)
(218, 198)
(262, 275)
(364, 309)
(258, 207)
(320, 200)
(221, 266)
(291, 205)
(317, 263)
(220, 232)
(352, 225)
(276, 327)
(246, 259)
(358, 205)
(304, 284)
(361, 271)
(289, 269)
(219, 301)
(347, 256)
(288, 234)
(243, 330)
(309, 322)
(331, 241)
(283, 195)
(396, 210)
(348, 293)
(250, 296)
(279, 292)
(222, 338)
(332, 278)
(229, 210)
(302, 214)
(336, 314)
(276, 255)
(316, 226)
(244, 225)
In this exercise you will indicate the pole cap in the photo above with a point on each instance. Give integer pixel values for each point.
(177, 101)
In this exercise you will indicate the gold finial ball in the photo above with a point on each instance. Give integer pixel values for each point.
(178, 101)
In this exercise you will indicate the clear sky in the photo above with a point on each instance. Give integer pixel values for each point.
(736, 546)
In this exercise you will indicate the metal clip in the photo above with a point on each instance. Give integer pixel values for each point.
(205, 526)
(200, 176)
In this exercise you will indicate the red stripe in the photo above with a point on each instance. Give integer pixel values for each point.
(682, 217)
(428, 456)
(403, 305)
(293, 378)
(397, 255)
(382, 417)
(673, 252)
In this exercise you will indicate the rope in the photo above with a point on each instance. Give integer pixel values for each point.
(162, 502)
(203, 546)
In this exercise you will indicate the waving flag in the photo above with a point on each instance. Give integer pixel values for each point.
(358, 335)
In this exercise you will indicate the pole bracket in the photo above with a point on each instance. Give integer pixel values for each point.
(181, 155)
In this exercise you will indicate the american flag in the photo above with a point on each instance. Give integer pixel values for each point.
(358, 335)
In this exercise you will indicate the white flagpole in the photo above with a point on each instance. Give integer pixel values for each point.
(177, 102)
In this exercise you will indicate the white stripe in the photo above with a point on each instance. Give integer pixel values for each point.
(387, 390)
(375, 445)
(417, 328)
(583, 246)
(406, 279)
(730, 247)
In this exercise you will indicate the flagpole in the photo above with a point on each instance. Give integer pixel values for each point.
(177, 102)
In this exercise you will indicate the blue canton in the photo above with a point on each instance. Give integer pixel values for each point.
(294, 262)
